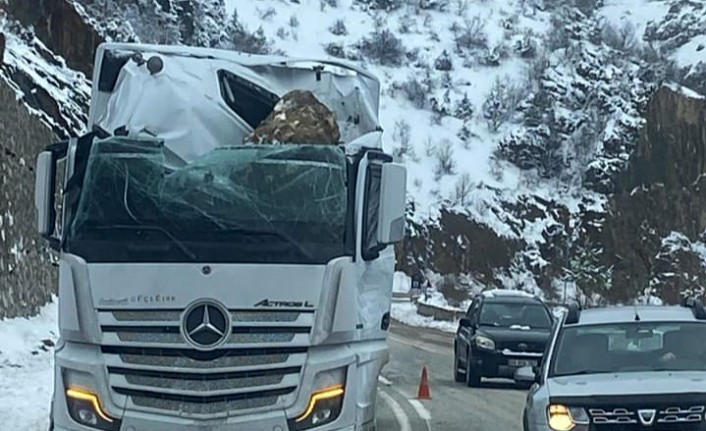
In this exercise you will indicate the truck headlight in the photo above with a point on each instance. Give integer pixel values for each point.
(85, 408)
(485, 343)
(563, 418)
(325, 403)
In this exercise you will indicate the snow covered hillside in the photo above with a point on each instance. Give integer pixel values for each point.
(515, 118)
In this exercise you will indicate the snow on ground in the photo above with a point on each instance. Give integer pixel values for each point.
(26, 370)
(406, 312)
(634, 13)
(692, 52)
(437, 299)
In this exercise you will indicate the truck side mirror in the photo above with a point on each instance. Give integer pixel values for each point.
(44, 193)
(44, 189)
(393, 198)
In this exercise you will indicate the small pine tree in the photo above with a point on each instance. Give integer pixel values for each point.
(443, 62)
(588, 272)
(464, 109)
(237, 37)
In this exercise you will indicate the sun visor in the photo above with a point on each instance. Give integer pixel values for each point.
(180, 104)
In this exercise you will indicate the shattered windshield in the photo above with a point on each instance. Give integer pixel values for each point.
(253, 203)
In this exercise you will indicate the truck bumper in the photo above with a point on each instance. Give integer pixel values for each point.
(84, 363)
(366, 427)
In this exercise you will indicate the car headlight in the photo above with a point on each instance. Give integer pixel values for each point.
(325, 403)
(563, 418)
(485, 343)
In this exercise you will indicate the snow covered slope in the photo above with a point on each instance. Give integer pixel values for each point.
(517, 115)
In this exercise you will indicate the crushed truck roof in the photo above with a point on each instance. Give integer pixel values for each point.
(197, 99)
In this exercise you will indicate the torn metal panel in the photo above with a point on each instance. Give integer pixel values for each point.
(200, 99)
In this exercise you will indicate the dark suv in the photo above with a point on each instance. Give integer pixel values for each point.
(503, 331)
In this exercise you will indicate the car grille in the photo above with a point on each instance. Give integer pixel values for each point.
(685, 417)
(257, 368)
(515, 346)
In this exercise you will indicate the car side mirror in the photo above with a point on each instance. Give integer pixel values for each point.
(393, 205)
(465, 322)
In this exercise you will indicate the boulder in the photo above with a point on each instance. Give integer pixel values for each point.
(298, 118)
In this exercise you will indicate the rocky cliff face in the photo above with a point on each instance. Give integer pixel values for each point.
(658, 217)
(62, 28)
(27, 278)
(650, 240)
(42, 100)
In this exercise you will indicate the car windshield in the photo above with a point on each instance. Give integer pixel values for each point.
(515, 315)
(253, 203)
(635, 346)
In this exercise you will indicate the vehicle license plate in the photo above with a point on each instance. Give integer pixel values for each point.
(521, 363)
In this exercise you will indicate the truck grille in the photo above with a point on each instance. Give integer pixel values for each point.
(667, 417)
(257, 368)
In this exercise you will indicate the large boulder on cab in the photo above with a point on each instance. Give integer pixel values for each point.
(298, 118)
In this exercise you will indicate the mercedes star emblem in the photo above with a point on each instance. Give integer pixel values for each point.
(206, 325)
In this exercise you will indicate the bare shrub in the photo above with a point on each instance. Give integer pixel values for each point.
(338, 28)
(445, 163)
(403, 136)
(383, 47)
(268, 13)
(414, 91)
(462, 189)
(471, 35)
(335, 50)
(501, 103)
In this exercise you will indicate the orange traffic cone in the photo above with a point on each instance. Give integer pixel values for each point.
(424, 391)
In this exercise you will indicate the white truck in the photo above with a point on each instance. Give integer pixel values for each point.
(205, 284)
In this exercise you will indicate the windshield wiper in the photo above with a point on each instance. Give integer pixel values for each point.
(169, 235)
(263, 232)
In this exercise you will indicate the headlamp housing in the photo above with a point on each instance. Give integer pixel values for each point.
(325, 403)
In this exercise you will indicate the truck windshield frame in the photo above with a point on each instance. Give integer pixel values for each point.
(277, 204)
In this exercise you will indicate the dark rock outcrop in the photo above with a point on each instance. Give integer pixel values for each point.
(457, 245)
(663, 191)
(27, 277)
(63, 30)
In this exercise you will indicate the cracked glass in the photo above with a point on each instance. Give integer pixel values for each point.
(247, 203)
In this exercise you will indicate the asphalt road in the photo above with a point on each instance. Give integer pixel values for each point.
(497, 405)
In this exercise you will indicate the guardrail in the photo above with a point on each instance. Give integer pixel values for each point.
(438, 313)
(450, 315)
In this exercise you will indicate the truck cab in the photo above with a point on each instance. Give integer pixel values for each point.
(208, 284)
